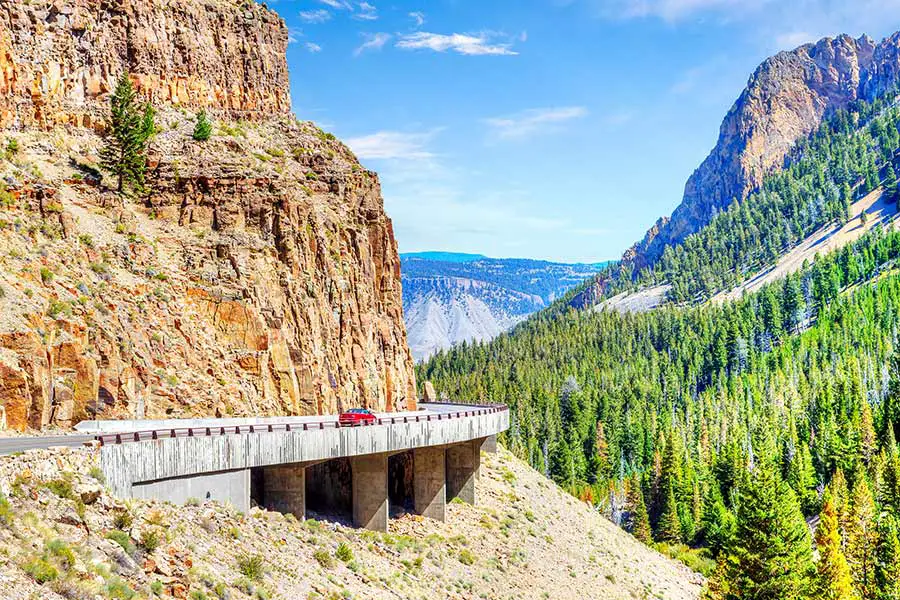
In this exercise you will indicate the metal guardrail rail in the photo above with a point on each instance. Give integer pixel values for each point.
(156, 434)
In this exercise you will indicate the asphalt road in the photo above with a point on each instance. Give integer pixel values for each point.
(12, 445)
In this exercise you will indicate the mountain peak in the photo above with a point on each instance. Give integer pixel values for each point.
(785, 100)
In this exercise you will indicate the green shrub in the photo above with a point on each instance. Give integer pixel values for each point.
(6, 513)
(61, 551)
(60, 487)
(156, 588)
(97, 474)
(202, 128)
(86, 239)
(122, 539)
(198, 595)
(344, 553)
(252, 567)
(123, 520)
(324, 558)
(58, 308)
(40, 570)
(118, 589)
(466, 557)
(149, 541)
(12, 146)
(46, 275)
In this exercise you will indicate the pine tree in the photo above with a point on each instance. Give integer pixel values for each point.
(127, 136)
(203, 128)
(887, 560)
(669, 522)
(639, 521)
(862, 538)
(771, 555)
(834, 581)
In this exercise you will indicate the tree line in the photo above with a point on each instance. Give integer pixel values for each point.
(722, 427)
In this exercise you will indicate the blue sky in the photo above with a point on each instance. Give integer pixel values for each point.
(553, 129)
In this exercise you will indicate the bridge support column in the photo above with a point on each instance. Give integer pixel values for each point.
(430, 482)
(463, 469)
(370, 491)
(490, 444)
(285, 489)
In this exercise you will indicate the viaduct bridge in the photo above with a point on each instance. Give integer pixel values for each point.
(417, 461)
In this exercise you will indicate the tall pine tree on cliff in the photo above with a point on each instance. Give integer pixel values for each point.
(128, 131)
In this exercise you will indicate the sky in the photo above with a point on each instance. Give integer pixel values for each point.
(550, 129)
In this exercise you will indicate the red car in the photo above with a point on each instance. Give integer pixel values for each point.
(355, 417)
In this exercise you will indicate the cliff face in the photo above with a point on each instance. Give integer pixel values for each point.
(785, 100)
(60, 58)
(260, 276)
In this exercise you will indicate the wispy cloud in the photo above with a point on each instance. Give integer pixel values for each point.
(533, 121)
(313, 47)
(481, 44)
(319, 15)
(337, 4)
(393, 145)
(294, 35)
(367, 12)
(418, 18)
(373, 43)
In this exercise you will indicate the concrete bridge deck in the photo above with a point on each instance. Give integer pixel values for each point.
(418, 460)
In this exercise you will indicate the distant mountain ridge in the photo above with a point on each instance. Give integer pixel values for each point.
(450, 297)
(786, 99)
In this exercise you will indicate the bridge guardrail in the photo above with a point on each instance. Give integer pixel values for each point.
(156, 434)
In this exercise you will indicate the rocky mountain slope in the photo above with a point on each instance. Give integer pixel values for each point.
(785, 100)
(449, 298)
(64, 536)
(258, 276)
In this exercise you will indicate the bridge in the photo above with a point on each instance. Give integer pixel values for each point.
(416, 461)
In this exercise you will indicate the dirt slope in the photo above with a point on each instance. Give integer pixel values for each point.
(824, 240)
(527, 539)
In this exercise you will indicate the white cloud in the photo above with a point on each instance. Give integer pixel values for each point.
(374, 42)
(337, 4)
(294, 35)
(532, 121)
(393, 145)
(471, 45)
(367, 12)
(319, 15)
(313, 47)
(418, 18)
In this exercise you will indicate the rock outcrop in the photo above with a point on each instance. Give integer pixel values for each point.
(785, 100)
(59, 59)
(259, 276)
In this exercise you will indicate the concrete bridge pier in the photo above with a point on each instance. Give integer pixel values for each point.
(284, 489)
(463, 469)
(370, 491)
(430, 482)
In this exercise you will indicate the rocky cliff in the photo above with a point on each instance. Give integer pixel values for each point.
(785, 100)
(259, 275)
(60, 59)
